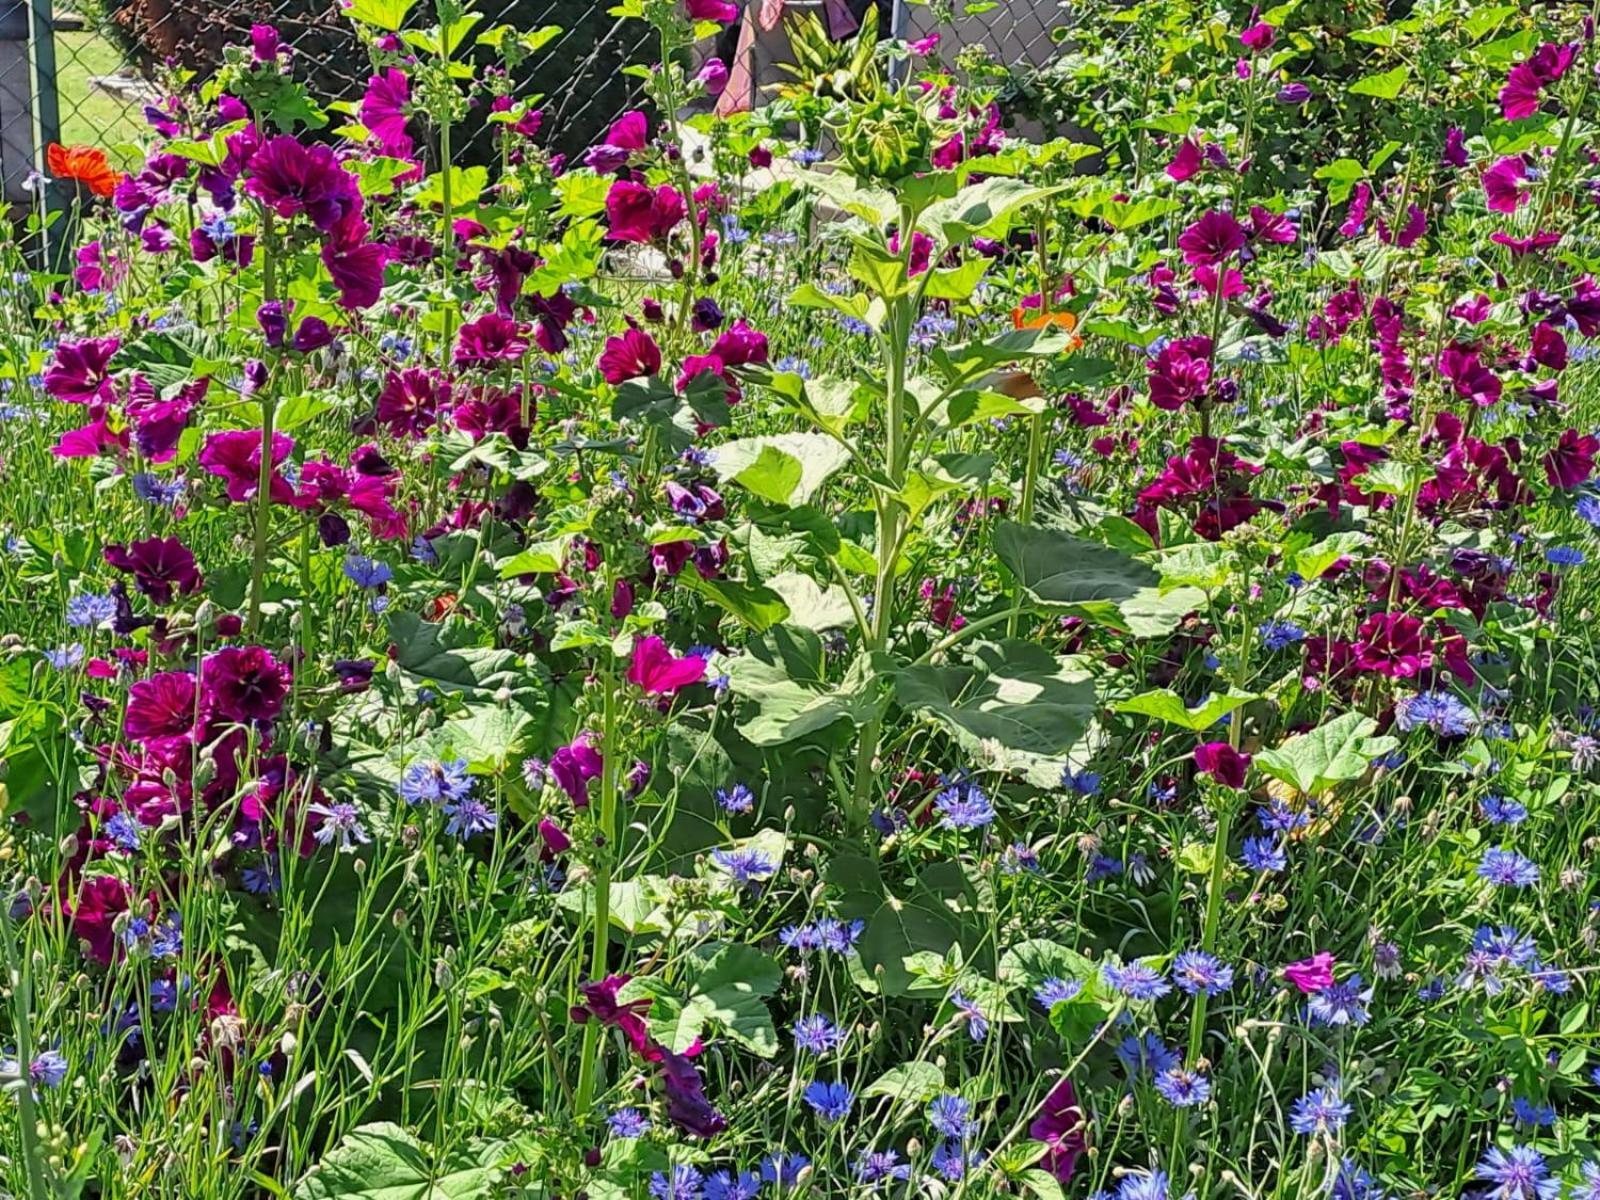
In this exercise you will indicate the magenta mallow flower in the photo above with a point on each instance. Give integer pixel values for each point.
(161, 708)
(721, 11)
(1311, 975)
(633, 355)
(656, 670)
(1180, 373)
(573, 766)
(636, 213)
(1571, 463)
(80, 374)
(1393, 644)
(490, 339)
(1503, 185)
(244, 684)
(1186, 163)
(1211, 239)
(235, 455)
(1060, 1126)
(1520, 94)
(292, 179)
(383, 112)
(1222, 763)
(161, 567)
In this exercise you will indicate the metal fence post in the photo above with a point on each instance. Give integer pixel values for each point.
(17, 154)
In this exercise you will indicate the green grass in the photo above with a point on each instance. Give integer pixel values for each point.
(90, 116)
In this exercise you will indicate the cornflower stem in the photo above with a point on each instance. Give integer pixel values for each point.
(16, 965)
(1208, 932)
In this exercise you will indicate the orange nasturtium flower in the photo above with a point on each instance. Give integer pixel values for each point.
(85, 164)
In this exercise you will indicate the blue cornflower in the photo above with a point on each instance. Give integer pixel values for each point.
(854, 325)
(1588, 509)
(1353, 1183)
(1498, 810)
(1564, 556)
(433, 782)
(737, 799)
(1340, 1004)
(1278, 817)
(166, 939)
(746, 864)
(628, 1123)
(1506, 946)
(968, 1010)
(791, 364)
(1084, 783)
(261, 879)
(783, 1169)
(1263, 854)
(1445, 714)
(1589, 1189)
(341, 820)
(830, 1101)
(951, 1115)
(1054, 991)
(152, 489)
(123, 831)
(469, 817)
(800, 937)
(1276, 635)
(1164, 791)
(87, 610)
(163, 995)
(1323, 1111)
(682, 1182)
(1550, 979)
(874, 1166)
(422, 550)
(951, 1161)
(1103, 866)
(964, 805)
(1196, 971)
(1148, 1053)
(733, 1185)
(1529, 1113)
(1507, 868)
(1518, 1174)
(1143, 1185)
(1182, 1088)
(817, 1035)
(1137, 981)
(1019, 857)
(49, 1069)
(367, 572)
(66, 657)
(838, 937)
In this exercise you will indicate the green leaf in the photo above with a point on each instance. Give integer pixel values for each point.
(384, 1162)
(812, 606)
(385, 14)
(541, 558)
(964, 363)
(1340, 750)
(1163, 704)
(466, 186)
(784, 674)
(909, 1083)
(447, 656)
(1311, 562)
(758, 607)
(785, 468)
(489, 738)
(1384, 86)
(983, 209)
(730, 991)
(1013, 695)
(877, 208)
(1060, 570)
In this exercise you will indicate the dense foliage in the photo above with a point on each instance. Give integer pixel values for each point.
(888, 664)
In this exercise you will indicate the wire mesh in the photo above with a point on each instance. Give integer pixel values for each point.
(108, 55)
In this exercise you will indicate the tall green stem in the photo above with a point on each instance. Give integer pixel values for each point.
(269, 406)
(22, 1020)
(1208, 932)
(610, 756)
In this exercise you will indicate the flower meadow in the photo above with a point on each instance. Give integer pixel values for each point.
(839, 651)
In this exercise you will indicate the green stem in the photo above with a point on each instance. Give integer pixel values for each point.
(269, 406)
(22, 1020)
(447, 250)
(610, 755)
(1208, 932)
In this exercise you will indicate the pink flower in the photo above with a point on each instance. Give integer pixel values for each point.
(1455, 148)
(1223, 763)
(245, 684)
(721, 11)
(356, 265)
(235, 455)
(1268, 226)
(292, 179)
(1312, 974)
(490, 339)
(1502, 185)
(1416, 225)
(1187, 162)
(1061, 1127)
(714, 75)
(637, 213)
(411, 401)
(741, 345)
(1520, 94)
(1259, 36)
(659, 672)
(630, 131)
(1211, 239)
(923, 47)
(1571, 463)
(1181, 372)
(161, 567)
(1393, 644)
(634, 355)
(161, 708)
(573, 766)
(80, 373)
(383, 112)
(1355, 218)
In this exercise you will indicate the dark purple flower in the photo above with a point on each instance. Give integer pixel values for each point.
(245, 684)
(161, 567)
(292, 179)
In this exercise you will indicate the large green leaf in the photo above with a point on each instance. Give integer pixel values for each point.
(757, 606)
(727, 991)
(783, 674)
(812, 606)
(983, 209)
(1013, 695)
(1059, 570)
(1340, 750)
(1164, 704)
(384, 1162)
(909, 1083)
(785, 468)
(445, 655)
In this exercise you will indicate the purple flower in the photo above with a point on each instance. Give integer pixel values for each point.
(292, 179)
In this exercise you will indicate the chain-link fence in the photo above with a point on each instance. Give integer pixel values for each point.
(85, 75)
